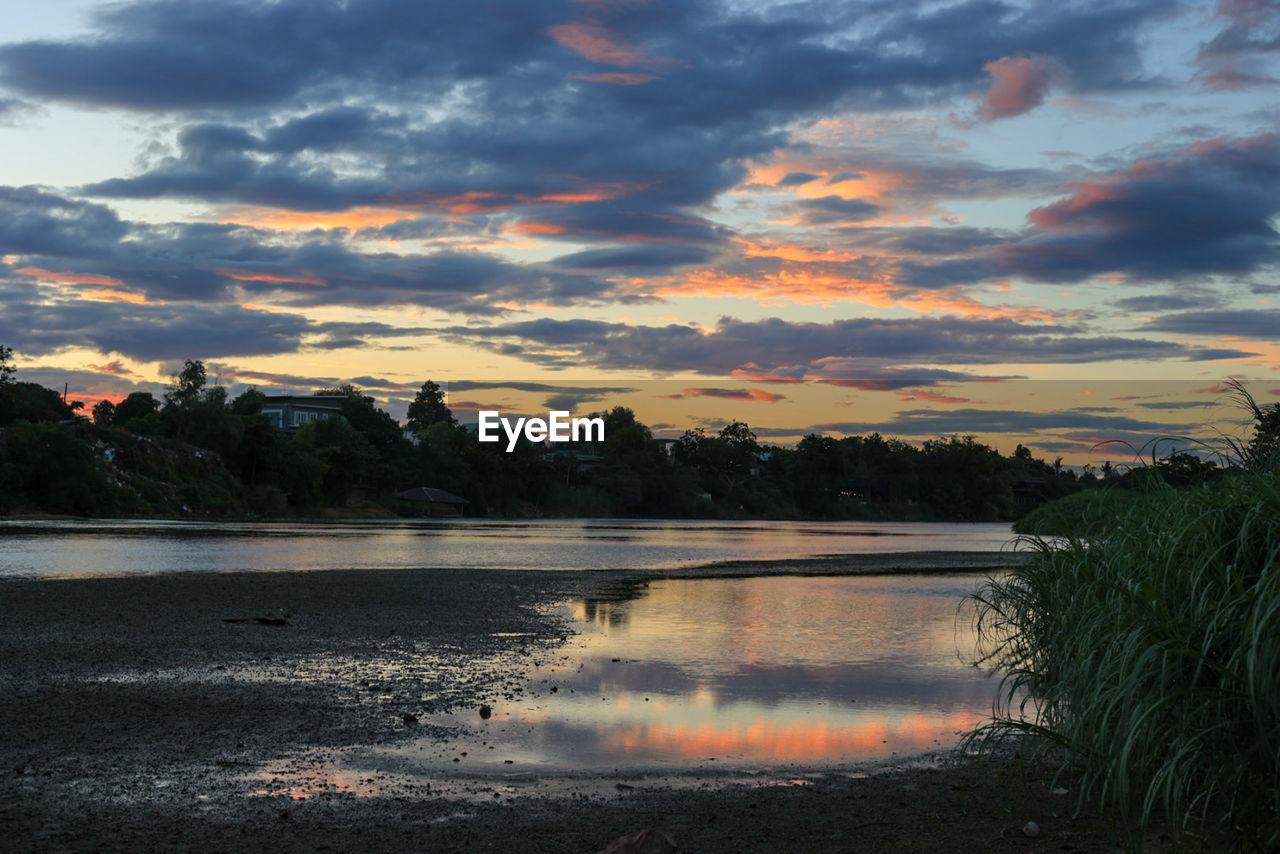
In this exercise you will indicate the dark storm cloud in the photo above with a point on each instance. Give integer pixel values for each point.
(781, 347)
(1262, 324)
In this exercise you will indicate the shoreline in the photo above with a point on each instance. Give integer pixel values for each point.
(136, 718)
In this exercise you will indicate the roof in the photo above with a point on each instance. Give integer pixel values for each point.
(317, 401)
(430, 495)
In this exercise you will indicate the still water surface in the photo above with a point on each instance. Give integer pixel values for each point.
(750, 672)
(116, 547)
(743, 675)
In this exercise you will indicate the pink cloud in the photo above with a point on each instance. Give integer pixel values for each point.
(1018, 84)
(115, 368)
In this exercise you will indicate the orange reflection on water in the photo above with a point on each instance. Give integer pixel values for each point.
(322, 778)
(765, 738)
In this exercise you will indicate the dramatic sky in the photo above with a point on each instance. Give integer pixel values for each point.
(1052, 220)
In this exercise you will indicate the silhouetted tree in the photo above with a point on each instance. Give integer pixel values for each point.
(428, 407)
(104, 412)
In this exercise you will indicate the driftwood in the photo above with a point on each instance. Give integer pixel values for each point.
(263, 619)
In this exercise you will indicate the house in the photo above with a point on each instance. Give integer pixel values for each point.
(288, 412)
(435, 502)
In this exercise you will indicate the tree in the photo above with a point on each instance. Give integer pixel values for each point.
(248, 403)
(104, 412)
(428, 407)
(187, 385)
(137, 405)
(6, 370)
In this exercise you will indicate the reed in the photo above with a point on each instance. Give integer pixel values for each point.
(1147, 652)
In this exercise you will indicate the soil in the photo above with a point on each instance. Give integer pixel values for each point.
(136, 717)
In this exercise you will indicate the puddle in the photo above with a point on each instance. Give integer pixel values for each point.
(746, 678)
(748, 673)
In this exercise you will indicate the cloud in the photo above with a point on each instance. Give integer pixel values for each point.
(1164, 302)
(1208, 208)
(1238, 57)
(933, 422)
(755, 395)
(797, 179)
(1260, 324)
(834, 209)
(810, 350)
(114, 368)
(1018, 85)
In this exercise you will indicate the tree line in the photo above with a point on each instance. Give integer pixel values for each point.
(196, 451)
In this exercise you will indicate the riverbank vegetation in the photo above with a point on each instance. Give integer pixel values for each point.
(1143, 644)
(197, 452)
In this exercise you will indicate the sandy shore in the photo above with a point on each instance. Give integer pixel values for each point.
(134, 717)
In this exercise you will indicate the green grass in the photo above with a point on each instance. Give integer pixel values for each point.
(1081, 514)
(1146, 649)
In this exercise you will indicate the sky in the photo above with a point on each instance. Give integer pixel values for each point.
(1044, 222)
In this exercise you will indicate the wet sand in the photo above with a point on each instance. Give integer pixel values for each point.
(134, 717)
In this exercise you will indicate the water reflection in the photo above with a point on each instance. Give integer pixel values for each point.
(90, 548)
(747, 673)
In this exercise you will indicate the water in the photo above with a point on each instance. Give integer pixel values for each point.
(744, 673)
(728, 678)
(96, 548)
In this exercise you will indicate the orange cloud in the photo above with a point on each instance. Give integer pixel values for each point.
(107, 295)
(246, 276)
(537, 228)
(594, 42)
(753, 372)
(69, 278)
(286, 220)
(115, 368)
(751, 394)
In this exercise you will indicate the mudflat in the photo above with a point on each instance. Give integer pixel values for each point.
(150, 713)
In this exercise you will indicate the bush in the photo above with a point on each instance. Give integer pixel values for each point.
(1148, 650)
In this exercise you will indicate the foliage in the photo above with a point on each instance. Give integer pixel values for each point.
(1083, 514)
(428, 407)
(364, 458)
(1144, 646)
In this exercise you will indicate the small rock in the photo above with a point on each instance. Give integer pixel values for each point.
(486, 711)
(1031, 829)
(410, 718)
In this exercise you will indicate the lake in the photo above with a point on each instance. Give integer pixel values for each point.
(124, 547)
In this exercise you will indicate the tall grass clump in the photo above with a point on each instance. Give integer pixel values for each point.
(1148, 653)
